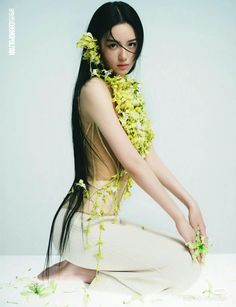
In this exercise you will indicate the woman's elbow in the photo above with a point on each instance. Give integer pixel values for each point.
(133, 164)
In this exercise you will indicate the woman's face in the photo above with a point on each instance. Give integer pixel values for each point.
(116, 57)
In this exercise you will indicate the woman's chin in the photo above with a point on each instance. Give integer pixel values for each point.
(121, 72)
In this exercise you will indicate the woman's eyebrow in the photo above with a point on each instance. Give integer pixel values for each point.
(113, 40)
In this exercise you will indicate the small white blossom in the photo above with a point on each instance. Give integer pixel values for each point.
(113, 189)
(81, 183)
(139, 125)
(124, 116)
(104, 193)
(106, 72)
(95, 72)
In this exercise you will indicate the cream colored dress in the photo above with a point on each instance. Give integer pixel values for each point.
(136, 260)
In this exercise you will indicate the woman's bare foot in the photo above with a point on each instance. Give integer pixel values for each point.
(67, 270)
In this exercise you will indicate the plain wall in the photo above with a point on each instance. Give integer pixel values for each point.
(187, 69)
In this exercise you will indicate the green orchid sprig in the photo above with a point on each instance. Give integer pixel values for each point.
(89, 43)
(38, 289)
(86, 296)
(198, 245)
(212, 292)
(209, 292)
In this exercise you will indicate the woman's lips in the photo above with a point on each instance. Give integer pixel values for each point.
(123, 66)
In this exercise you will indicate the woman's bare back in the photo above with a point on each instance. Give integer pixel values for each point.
(103, 164)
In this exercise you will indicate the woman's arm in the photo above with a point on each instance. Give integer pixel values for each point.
(170, 182)
(96, 102)
(168, 179)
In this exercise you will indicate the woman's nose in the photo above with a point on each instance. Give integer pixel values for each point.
(122, 54)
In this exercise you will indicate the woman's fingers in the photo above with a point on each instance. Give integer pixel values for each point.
(204, 234)
(204, 238)
(198, 243)
(191, 251)
(206, 241)
(196, 249)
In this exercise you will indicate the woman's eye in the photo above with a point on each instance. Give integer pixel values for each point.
(133, 45)
(112, 46)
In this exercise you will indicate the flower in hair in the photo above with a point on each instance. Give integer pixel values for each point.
(89, 43)
(81, 183)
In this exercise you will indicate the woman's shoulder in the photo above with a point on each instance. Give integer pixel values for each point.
(95, 86)
(95, 95)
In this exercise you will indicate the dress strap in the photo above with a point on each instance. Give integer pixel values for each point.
(92, 137)
(89, 126)
(104, 146)
(92, 126)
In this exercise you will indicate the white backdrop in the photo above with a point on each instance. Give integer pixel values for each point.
(188, 73)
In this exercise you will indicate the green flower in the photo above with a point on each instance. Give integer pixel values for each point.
(89, 43)
(37, 288)
(198, 245)
(86, 296)
(81, 183)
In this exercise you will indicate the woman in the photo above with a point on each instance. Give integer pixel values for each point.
(112, 139)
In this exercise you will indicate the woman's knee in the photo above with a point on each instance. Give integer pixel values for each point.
(188, 271)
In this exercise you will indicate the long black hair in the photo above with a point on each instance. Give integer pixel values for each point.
(104, 18)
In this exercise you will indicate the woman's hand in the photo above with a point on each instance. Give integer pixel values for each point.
(187, 232)
(195, 218)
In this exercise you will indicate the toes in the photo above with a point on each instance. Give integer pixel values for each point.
(39, 276)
